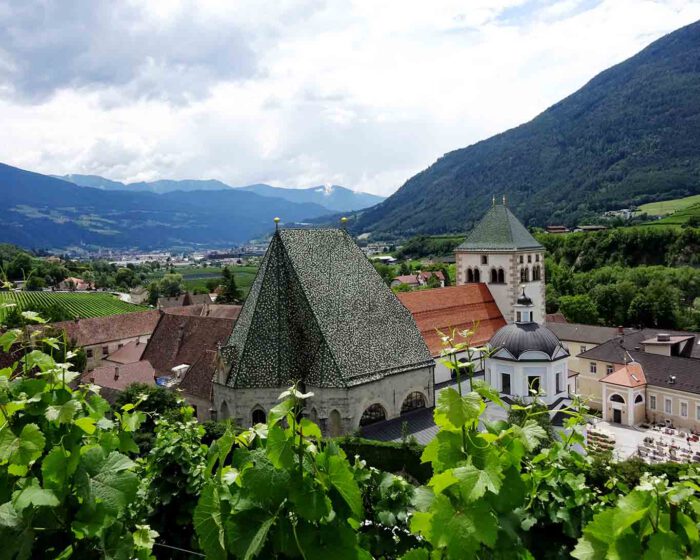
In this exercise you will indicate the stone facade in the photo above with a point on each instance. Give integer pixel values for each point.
(327, 404)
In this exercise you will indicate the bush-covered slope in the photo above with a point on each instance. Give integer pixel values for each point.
(630, 135)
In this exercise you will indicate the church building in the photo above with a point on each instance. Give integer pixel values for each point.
(320, 315)
(500, 252)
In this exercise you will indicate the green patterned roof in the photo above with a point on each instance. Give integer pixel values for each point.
(319, 312)
(499, 230)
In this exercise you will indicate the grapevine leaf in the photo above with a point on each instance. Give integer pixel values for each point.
(444, 450)
(280, 448)
(34, 495)
(248, 534)
(280, 411)
(144, 537)
(87, 424)
(309, 429)
(487, 392)
(462, 531)
(475, 482)
(207, 523)
(443, 480)
(9, 516)
(530, 434)
(340, 476)
(454, 411)
(416, 554)
(630, 509)
(62, 414)
(108, 479)
(24, 449)
(310, 501)
(54, 469)
(664, 546)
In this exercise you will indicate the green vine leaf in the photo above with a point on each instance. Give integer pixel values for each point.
(453, 411)
(24, 449)
(208, 525)
(280, 448)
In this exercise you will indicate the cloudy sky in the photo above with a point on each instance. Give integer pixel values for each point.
(294, 93)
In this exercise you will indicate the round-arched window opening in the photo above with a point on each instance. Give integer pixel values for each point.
(477, 275)
(223, 411)
(617, 398)
(413, 401)
(373, 413)
(258, 416)
(494, 276)
(501, 276)
(638, 399)
(470, 275)
(335, 423)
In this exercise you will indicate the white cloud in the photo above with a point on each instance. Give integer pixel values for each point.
(362, 93)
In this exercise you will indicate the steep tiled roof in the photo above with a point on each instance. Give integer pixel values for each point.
(499, 230)
(106, 376)
(205, 310)
(198, 379)
(182, 339)
(659, 369)
(183, 299)
(457, 307)
(319, 312)
(97, 330)
(582, 333)
(629, 375)
(129, 353)
(555, 318)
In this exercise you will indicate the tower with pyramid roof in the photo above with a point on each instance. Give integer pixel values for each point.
(501, 253)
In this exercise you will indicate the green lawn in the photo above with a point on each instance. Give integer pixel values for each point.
(77, 304)
(669, 206)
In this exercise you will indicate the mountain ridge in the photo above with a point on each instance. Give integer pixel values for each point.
(626, 137)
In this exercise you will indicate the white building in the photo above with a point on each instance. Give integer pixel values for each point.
(528, 358)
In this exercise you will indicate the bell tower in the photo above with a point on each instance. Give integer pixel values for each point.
(502, 254)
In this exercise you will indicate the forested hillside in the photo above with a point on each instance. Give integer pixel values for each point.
(629, 136)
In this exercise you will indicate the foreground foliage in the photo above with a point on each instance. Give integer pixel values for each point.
(76, 485)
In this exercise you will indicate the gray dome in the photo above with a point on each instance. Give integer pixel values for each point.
(519, 338)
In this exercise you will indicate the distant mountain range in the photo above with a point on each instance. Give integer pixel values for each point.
(40, 211)
(629, 136)
(335, 198)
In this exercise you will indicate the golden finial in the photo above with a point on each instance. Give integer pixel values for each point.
(343, 220)
(277, 222)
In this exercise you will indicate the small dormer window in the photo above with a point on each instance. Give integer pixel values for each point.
(484, 259)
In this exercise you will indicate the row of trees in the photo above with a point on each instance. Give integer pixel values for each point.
(172, 285)
(79, 480)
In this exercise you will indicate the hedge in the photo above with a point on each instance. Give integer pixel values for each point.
(403, 458)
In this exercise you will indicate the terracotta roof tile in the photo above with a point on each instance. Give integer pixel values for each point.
(97, 330)
(128, 354)
(457, 307)
(198, 379)
(106, 376)
(629, 375)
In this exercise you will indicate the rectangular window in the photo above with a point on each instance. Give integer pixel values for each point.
(521, 259)
(529, 258)
(533, 384)
(537, 258)
(484, 259)
(120, 345)
(518, 316)
(105, 350)
(593, 367)
(608, 369)
(697, 412)
(88, 352)
(558, 382)
(652, 402)
(667, 406)
(583, 348)
(505, 383)
(684, 409)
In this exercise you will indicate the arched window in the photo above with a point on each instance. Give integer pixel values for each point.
(617, 398)
(536, 273)
(477, 275)
(524, 274)
(501, 276)
(335, 424)
(258, 416)
(223, 411)
(470, 275)
(373, 413)
(494, 276)
(413, 401)
(638, 399)
(313, 416)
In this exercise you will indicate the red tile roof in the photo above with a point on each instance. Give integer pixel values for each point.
(629, 375)
(410, 279)
(453, 307)
(128, 354)
(555, 318)
(204, 310)
(98, 330)
(106, 376)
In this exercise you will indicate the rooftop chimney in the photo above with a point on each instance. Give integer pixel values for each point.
(620, 330)
(671, 379)
(116, 372)
(663, 337)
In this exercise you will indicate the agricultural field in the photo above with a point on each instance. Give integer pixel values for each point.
(197, 277)
(78, 305)
(681, 217)
(667, 207)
